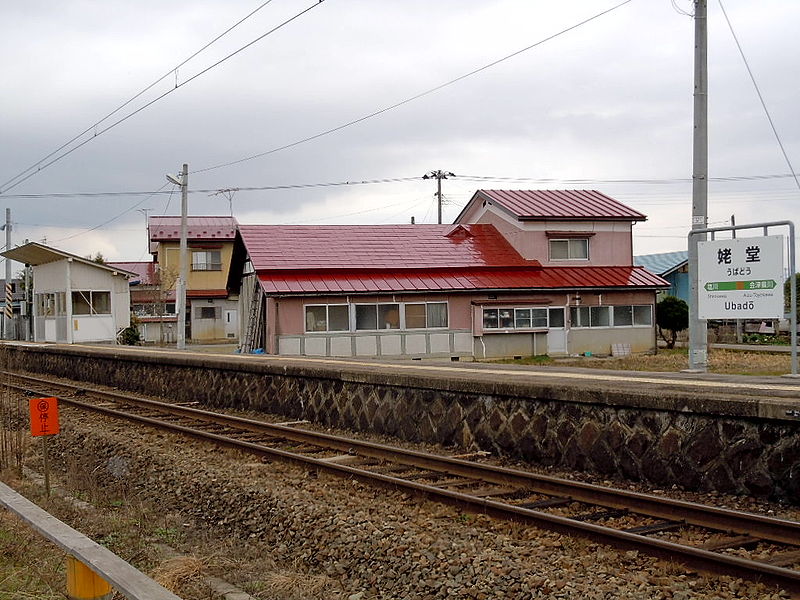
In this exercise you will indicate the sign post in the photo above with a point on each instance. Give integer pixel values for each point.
(44, 422)
(742, 278)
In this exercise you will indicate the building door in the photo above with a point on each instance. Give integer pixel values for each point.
(557, 333)
(231, 323)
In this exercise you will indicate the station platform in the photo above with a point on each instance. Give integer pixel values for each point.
(699, 431)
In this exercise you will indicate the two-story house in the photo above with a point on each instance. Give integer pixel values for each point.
(519, 273)
(212, 312)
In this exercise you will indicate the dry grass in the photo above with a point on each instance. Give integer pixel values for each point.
(731, 362)
(293, 584)
(175, 573)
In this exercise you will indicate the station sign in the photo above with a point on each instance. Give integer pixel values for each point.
(741, 278)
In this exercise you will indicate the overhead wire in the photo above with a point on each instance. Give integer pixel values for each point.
(412, 98)
(157, 98)
(112, 219)
(760, 96)
(137, 95)
(294, 186)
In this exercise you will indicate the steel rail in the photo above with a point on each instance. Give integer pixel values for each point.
(766, 528)
(696, 557)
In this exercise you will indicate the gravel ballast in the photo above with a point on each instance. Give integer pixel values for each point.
(351, 541)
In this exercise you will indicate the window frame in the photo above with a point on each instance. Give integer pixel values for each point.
(612, 316)
(569, 241)
(89, 297)
(404, 315)
(327, 318)
(514, 311)
(208, 264)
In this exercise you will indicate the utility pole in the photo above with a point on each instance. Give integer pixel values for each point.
(9, 309)
(184, 256)
(698, 334)
(438, 175)
(144, 211)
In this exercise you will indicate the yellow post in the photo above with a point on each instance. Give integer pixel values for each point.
(85, 584)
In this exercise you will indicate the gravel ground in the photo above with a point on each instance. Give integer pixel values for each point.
(283, 532)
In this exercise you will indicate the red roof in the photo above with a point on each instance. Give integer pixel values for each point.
(146, 271)
(460, 279)
(559, 204)
(163, 229)
(328, 247)
(206, 293)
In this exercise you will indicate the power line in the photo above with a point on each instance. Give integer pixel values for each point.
(112, 219)
(760, 97)
(412, 98)
(146, 89)
(610, 181)
(161, 190)
(157, 98)
(470, 178)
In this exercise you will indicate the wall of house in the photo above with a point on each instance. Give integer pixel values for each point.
(169, 262)
(217, 328)
(609, 241)
(465, 336)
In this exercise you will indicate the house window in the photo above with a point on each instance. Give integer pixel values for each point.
(579, 316)
(623, 316)
(328, 317)
(516, 318)
(91, 303)
(207, 312)
(370, 317)
(206, 260)
(608, 316)
(426, 315)
(570, 249)
(556, 318)
(599, 316)
(642, 315)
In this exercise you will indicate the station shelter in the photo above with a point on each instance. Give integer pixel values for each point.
(74, 299)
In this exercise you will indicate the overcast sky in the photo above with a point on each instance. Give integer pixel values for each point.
(608, 100)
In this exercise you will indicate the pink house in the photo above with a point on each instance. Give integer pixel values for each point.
(519, 273)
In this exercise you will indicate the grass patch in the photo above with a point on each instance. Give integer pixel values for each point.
(29, 567)
(730, 362)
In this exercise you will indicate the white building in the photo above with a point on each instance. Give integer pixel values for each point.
(75, 299)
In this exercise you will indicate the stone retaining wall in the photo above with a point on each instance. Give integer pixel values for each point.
(614, 433)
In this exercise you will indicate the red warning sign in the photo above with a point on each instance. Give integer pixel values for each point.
(44, 416)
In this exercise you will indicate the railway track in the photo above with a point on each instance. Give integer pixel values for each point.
(704, 537)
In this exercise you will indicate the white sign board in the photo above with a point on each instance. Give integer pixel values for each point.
(741, 278)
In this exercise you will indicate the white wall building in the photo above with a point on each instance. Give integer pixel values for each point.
(75, 299)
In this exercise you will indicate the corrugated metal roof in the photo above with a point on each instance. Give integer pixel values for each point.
(273, 247)
(462, 279)
(162, 229)
(36, 254)
(560, 204)
(146, 272)
(662, 263)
